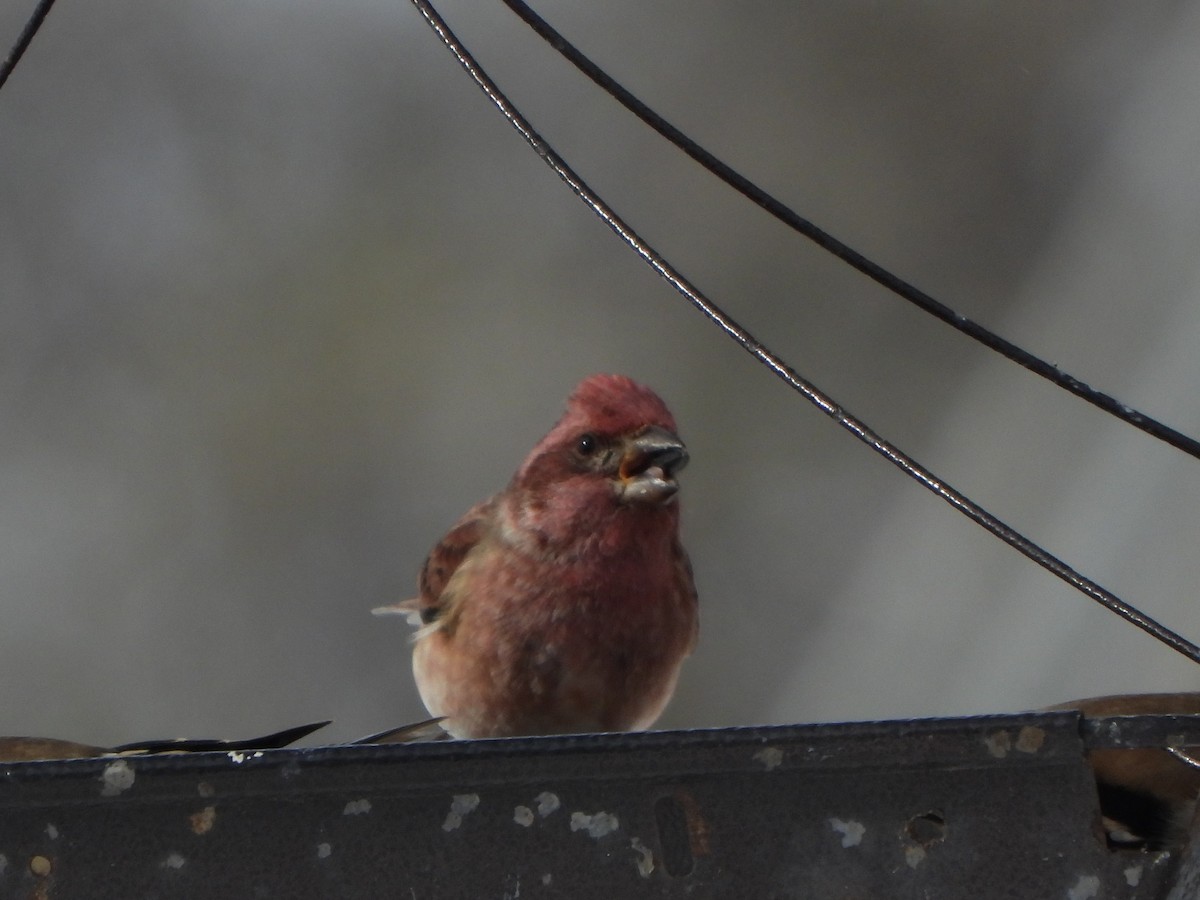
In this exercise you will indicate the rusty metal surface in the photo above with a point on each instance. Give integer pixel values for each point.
(991, 807)
(1185, 883)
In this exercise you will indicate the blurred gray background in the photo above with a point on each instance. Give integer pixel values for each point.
(281, 296)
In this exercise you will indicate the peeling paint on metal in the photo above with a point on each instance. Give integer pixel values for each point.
(547, 803)
(998, 743)
(118, 776)
(1030, 739)
(597, 825)
(323, 850)
(770, 757)
(174, 861)
(1087, 887)
(239, 757)
(913, 855)
(1133, 876)
(357, 807)
(203, 821)
(645, 861)
(523, 815)
(460, 806)
(852, 832)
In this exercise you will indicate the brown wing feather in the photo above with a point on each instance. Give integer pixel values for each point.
(1183, 704)
(24, 749)
(447, 556)
(1146, 794)
(688, 583)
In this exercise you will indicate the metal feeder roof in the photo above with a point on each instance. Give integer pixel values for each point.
(984, 807)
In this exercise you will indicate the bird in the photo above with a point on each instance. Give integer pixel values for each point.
(37, 749)
(1147, 795)
(30, 749)
(565, 603)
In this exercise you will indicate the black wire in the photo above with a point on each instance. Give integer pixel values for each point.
(819, 399)
(843, 252)
(26, 38)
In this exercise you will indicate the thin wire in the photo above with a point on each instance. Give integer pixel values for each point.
(785, 372)
(845, 253)
(26, 38)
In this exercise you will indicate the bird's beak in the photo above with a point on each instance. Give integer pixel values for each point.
(649, 462)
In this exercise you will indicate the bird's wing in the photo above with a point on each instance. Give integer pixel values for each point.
(427, 608)
(416, 732)
(25, 749)
(204, 745)
(687, 584)
(22, 749)
(1147, 795)
(1180, 704)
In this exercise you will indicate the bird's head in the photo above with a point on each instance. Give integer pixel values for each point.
(614, 432)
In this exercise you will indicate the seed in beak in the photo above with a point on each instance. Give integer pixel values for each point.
(649, 464)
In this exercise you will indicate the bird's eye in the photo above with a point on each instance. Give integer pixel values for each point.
(586, 445)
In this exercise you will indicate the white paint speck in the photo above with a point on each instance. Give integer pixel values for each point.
(51, 831)
(547, 803)
(323, 850)
(116, 778)
(914, 855)
(852, 832)
(237, 756)
(645, 861)
(523, 815)
(1030, 739)
(174, 861)
(357, 807)
(1133, 876)
(1087, 887)
(460, 805)
(770, 757)
(597, 825)
(998, 744)
(547, 878)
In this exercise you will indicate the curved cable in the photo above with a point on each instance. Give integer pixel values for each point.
(848, 254)
(25, 39)
(822, 401)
